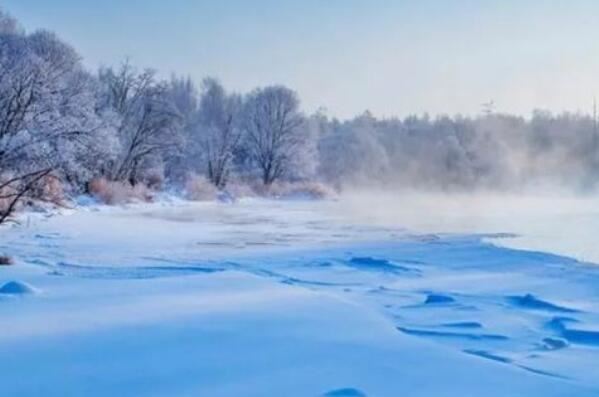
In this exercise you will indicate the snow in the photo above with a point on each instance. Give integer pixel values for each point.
(286, 298)
(17, 288)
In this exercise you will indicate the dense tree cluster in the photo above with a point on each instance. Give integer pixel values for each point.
(59, 121)
(491, 151)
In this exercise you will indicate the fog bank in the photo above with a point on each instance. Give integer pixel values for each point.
(556, 222)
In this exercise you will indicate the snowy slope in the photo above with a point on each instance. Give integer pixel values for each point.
(284, 299)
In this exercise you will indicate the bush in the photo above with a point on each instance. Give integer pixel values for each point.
(299, 190)
(286, 190)
(116, 192)
(6, 193)
(154, 179)
(199, 188)
(239, 189)
(28, 190)
(50, 189)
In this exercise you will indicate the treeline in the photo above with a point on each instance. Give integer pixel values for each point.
(62, 127)
(490, 151)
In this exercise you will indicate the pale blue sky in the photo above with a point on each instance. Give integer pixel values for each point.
(392, 57)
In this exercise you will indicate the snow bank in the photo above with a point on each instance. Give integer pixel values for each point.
(17, 288)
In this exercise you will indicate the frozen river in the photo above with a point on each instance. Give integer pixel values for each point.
(357, 297)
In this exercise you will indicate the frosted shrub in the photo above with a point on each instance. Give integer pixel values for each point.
(115, 192)
(240, 189)
(103, 190)
(141, 192)
(199, 188)
(28, 190)
(154, 179)
(6, 193)
(49, 189)
(300, 190)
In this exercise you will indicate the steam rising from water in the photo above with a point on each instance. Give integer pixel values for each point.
(559, 223)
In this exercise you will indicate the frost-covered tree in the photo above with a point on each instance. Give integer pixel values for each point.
(273, 135)
(219, 117)
(48, 115)
(77, 139)
(148, 124)
(183, 95)
(353, 153)
(49, 124)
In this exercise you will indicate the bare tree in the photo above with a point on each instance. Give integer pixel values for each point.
(148, 122)
(220, 135)
(272, 130)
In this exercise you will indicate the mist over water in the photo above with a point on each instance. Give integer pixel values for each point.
(557, 222)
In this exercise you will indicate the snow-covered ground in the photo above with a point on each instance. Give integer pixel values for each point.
(275, 298)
